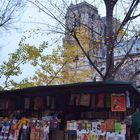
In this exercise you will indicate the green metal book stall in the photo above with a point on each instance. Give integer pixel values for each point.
(80, 111)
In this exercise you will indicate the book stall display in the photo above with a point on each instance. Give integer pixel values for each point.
(68, 113)
(27, 128)
(98, 130)
(30, 122)
(105, 119)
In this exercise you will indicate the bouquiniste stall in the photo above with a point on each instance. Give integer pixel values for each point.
(80, 111)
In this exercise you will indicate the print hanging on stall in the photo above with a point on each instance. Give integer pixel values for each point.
(118, 102)
(85, 100)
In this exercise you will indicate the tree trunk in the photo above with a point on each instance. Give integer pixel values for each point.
(109, 40)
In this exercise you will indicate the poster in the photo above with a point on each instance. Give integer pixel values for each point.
(118, 102)
(103, 126)
(85, 100)
(27, 103)
(118, 127)
(75, 99)
(38, 103)
(110, 125)
(100, 102)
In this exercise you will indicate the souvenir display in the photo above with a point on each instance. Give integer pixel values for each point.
(83, 135)
(24, 129)
(98, 130)
(89, 116)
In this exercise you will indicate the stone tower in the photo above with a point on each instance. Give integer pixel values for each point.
(83, 18)
(84, 15)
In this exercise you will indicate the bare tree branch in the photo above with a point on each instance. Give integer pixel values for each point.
(47, 11)
(9, 11)
(125, 57)
(80, 45)
(49, 82)
(128, 17)
(133, 17)
(134, 75)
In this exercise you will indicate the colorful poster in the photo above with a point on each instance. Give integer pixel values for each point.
(118, 102)
(110, 125)
(103, 127)
(118, 127)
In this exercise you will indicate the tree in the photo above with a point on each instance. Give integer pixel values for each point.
(9, 11)
(47, 67)
(27, 55)
(110, 39)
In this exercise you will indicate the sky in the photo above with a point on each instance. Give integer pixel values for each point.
(11, 38)
(28, 21)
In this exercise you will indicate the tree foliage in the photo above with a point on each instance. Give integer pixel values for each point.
(23, 55)
(48, 67)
